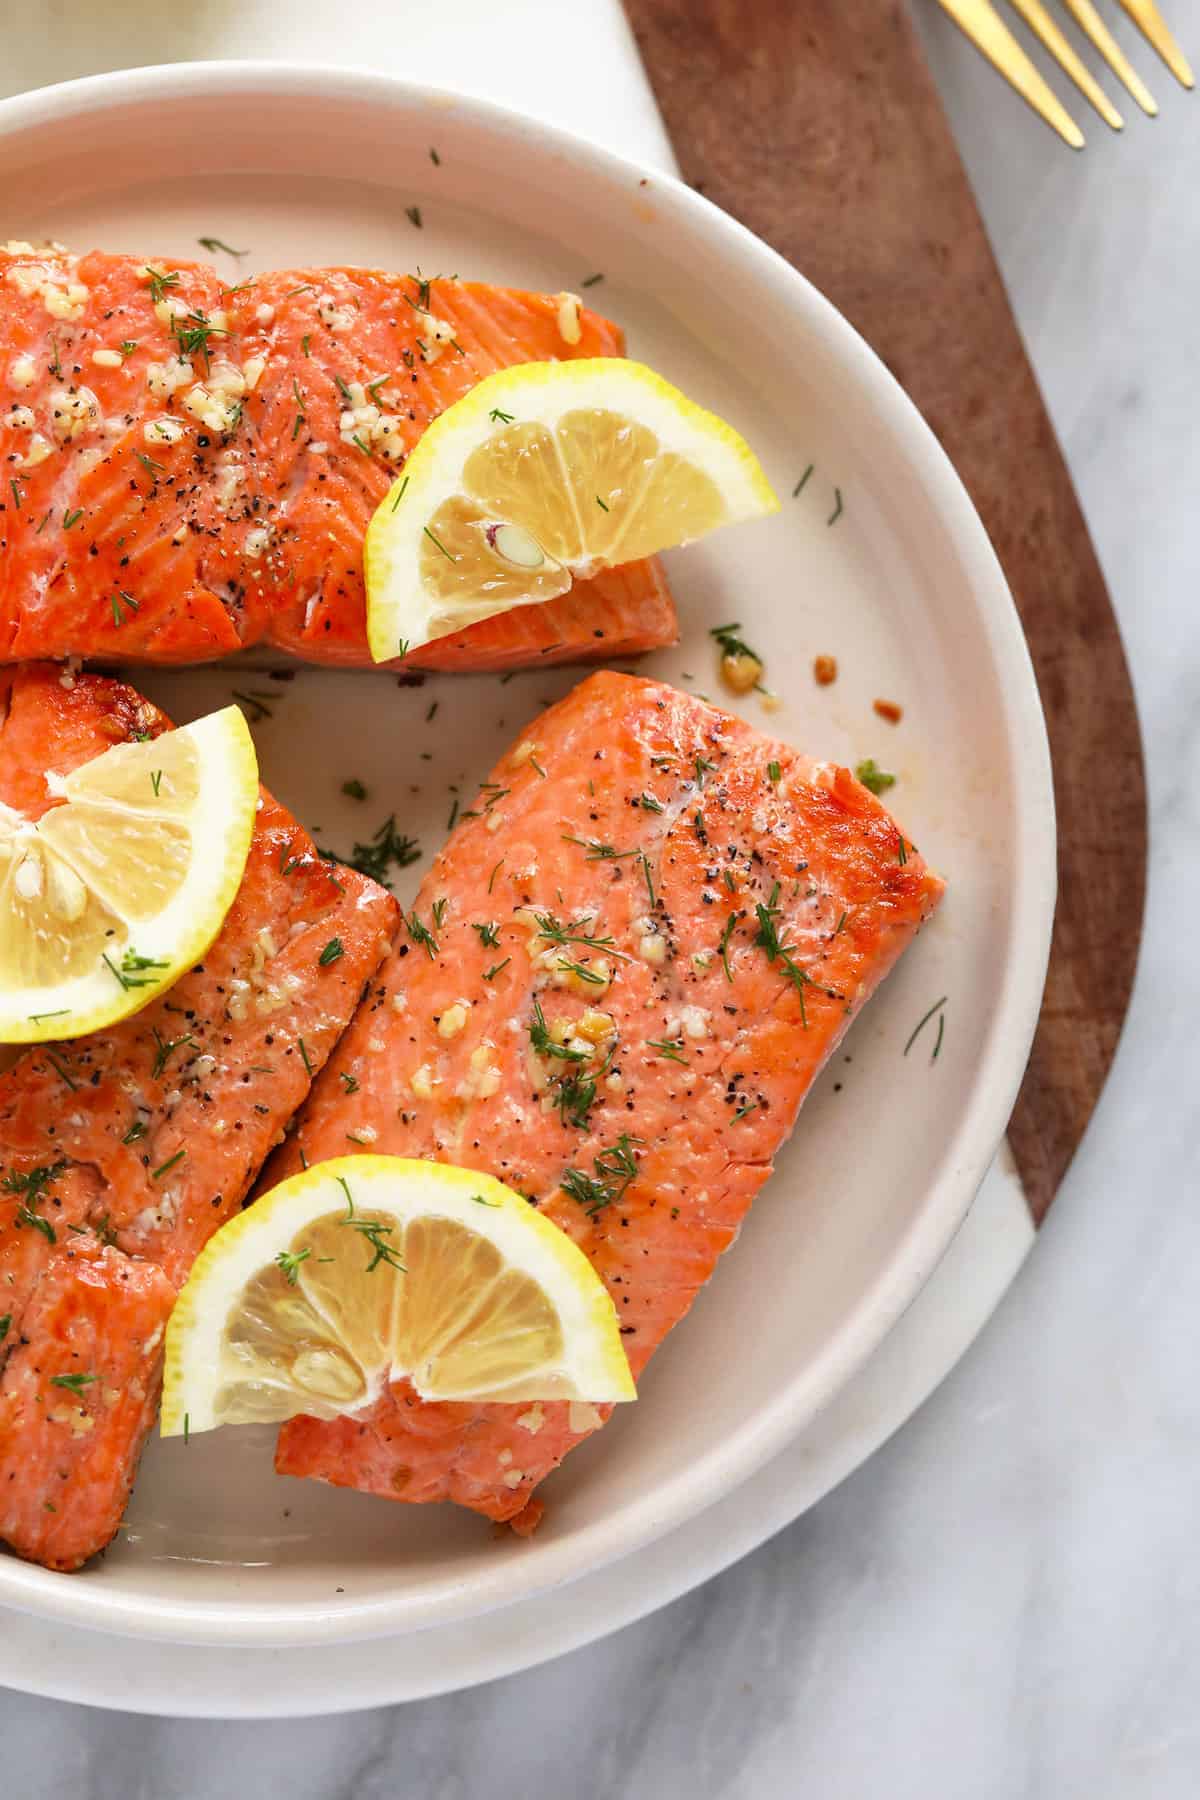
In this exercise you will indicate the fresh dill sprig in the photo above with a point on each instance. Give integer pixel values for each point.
(385, 850)
(61, 1070)
(582, 971)
(74, 1384)
(164, 1050)
(730, 643)
(213, 244)
(723, 946)
(768, 939)
(131, 973)
(574, 1097)
(257, 705)
(375, 1232)
(596, 851)
(160, 281)
(873, 777)
(555, 932)
(192, 331)
(289, 1261)
(31, 1186)
(544, 1045)
(421, 934)
(934, 1012)
(614, 1169)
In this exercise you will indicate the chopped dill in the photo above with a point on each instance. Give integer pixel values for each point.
(873, 777)
(935, 1011)
(386, 850)
(289, 1261)
(421, 934)
(768, 939)
(614, 1169)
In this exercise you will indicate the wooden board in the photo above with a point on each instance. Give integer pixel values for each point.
(817, 124)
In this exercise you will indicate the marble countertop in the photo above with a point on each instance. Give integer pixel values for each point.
(1004, 1603)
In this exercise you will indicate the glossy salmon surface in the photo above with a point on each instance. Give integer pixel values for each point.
(190, 467)
(122, 1152)
(616, 986)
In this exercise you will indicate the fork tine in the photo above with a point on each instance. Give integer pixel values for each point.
(1039, 21)
(990, 35)
(1153, 28)
(1090, 22)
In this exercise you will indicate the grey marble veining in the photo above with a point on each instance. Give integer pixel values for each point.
(1005, 1603)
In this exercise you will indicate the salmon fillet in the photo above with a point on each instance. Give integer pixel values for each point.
(189, 468)
(122, 1152)
(702, 911)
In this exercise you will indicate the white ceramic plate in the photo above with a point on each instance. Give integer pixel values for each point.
(902, 587)
(41, 1657)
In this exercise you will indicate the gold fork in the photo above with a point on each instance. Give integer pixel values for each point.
(988, 32)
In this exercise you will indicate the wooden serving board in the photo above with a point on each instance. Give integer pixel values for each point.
(817, 124)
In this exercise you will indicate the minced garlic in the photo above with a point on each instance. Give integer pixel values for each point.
(453, 1019)
(433, 335)
(570, 306)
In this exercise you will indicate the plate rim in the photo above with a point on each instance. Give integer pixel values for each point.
(791, 1484)
(968, 1148)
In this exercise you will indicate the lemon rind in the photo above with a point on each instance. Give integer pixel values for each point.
(183, 932)
(249, 1243)
(539, 393)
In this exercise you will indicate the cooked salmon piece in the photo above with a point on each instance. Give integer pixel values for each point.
(122, 1152)
(79, 1398)
(617, 984)
(189, 469)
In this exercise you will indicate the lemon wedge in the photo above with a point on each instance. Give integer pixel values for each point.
(117, 889)
(369, 1268)
(543, 473)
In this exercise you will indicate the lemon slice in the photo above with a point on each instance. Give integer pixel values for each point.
(540, 474)
(113, 893)
(369, 1268)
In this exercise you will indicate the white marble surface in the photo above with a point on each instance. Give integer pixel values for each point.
(1004, 1604)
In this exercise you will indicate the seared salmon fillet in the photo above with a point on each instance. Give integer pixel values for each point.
(618, 983)
(121, 1152)
(189, 468)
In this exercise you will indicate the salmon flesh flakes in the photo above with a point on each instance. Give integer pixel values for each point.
(615, 1001)
(190, 467)
(122, 1152)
